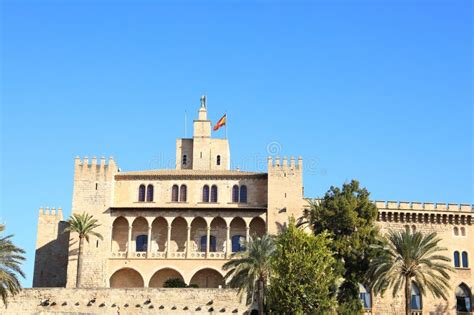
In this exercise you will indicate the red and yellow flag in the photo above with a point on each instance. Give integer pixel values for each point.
(221, 122)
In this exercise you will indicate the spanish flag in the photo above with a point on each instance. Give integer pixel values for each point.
(221, 122)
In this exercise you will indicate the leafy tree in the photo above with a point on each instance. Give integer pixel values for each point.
(303, 277)
(410, 258)
(350, 217)
(84, 225)
(175, 283)
(11, 258)
(249, 270)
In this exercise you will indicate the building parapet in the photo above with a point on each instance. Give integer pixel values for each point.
(278, 163)
(51, 212)
(430, 206)
(84, 167)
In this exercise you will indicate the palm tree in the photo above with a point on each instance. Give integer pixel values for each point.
(11, 258)
(83, 224)
(251, 267)
(410, 258)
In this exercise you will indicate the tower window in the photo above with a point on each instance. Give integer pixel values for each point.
(456, 259)
(205, 193)
(214, 193)
(183, 193)
(174, 193)
(465, 262)
(218, 160)
(185, 159)
(235, 193)
(243, 194)
(141, 193)
(149, 193)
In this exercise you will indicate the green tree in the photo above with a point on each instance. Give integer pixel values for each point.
(249, 270)
(84, 225)
(174, 283)
(349, 216)
(11, 258)
(303, 277)
(410, 258)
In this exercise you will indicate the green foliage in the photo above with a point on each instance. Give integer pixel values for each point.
(303, 273)
(249, 270)
(11, 258)
(410, 257)
(349, 216)
(175, 283)
(83, 224)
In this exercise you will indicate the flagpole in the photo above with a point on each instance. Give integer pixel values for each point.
(226, 124)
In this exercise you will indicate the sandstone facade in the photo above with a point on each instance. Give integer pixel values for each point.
(186, 222)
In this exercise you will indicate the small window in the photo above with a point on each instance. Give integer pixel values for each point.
(456, 231)
(214, 193)
(235, 193)
(183, 193)
(238, 242)
(456, 259)
(141, 243)
(204, 243)
(174, 193)
(416, 303)
(465, 262)
(185, 159)
(149, 193)
(141, 193)
(413, 228)
(218, 160)
(205, 193)
(364, 295)
(463, 231)
(243, 194)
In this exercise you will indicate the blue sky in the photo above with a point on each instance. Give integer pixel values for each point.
(379, 91)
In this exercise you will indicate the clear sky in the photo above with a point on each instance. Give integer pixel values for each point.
(379, 91)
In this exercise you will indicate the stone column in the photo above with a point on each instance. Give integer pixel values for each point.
(228, 247)
(129, 243)
(168, 242)
(148, 246)
(188, 242)
(247, 235)
(208, 241)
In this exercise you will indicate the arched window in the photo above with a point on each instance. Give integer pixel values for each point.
(413, 228)
(141, 193)
(465, 262)
(463, 231)
(214, 193)
(415, 298)
(235, 193)
(185, 159)
(364, 295)
(456, 259)
(204, 243)
(149, 193)
(205, 193)
(218, 160)
(183, 190)
(243, 194)
(456, 231)
(238, 242)
(174, 193)
(463, 299)
(141, 243)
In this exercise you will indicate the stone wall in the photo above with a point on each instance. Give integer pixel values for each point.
(125, 301)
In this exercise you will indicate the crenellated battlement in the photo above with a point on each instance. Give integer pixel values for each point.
(431, 206)
(51, 212)
(95, 167)
(278, 163)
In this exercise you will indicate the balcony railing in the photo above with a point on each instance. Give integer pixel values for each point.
(170, 255)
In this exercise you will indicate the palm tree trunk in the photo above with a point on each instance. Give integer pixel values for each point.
(260, 296)
(79, 262)
(407, 295)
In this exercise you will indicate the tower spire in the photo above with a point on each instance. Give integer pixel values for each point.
(203, 101)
